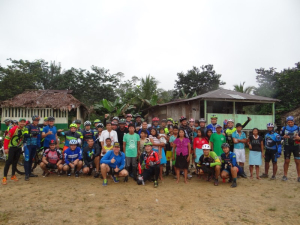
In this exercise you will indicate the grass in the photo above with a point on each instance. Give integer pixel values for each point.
(272, 209)
(181, 207)
(4, 217)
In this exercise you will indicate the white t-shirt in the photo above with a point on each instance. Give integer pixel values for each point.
(112, 135)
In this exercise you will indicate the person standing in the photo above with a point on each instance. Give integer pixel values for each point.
(216, 140)
(239, 140)
(131, 146)
(13, 145)
(108, 133)
(213, 126)
(121, 131)
(50, 133)
(256, 147)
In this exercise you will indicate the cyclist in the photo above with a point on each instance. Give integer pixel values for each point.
(32, 136)
(231, 129)
(128, 119)
(73, 158)
(164, 126)
(9, 126)
(13, 145)
(209, 163)
(155, 125)
(98, 135)
(213, 125)
(149, 161)
(52, 159)
(78, 123)
(91, 158)
(203, 128)
(290, 135)
(70, 135)
(121, 131)
(113, 161)
(170, 121)
(187, 130)
(138, 120)
(229, 165)
(273, 150)
(87, 133)
(50, 132)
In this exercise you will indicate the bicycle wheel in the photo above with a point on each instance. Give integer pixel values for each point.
(2, 155)
(20, 165)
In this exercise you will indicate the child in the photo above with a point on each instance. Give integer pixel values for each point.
(197, 127)
(256, 147)
(162, 135)
(172, 139)
(143, 140)
(107, 147)
(199, 141)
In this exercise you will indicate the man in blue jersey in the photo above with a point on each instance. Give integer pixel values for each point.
(73, 158)
(213, 125)
(273, 150)
(113, 161)
(50, 133)
(290, 135)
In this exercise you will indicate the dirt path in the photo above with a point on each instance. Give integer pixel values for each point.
(63, 200)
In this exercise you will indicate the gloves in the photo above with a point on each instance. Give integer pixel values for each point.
(278, 154)
(279, 150)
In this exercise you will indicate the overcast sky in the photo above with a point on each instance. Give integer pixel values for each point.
(160, 38)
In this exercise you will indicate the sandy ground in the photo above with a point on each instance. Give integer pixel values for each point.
(63, 200)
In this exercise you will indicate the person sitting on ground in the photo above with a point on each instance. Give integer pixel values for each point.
(149, 160)
(113, 161)
(52, 159)
(209, 163)
(73, 158)
(229, 165)
(91, 158)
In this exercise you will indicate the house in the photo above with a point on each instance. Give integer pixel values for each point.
(224, 103)
(57, 103)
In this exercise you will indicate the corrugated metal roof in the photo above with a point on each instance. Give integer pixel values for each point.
(224, 94)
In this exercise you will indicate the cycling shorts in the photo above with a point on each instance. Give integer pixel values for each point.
(271, 155)
(289, 149)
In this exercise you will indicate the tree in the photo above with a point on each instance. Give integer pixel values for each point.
(241, 88)
(116, 108)
(198, 80)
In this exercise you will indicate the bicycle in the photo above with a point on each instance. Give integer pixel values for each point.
(36, 161)
(2, 152)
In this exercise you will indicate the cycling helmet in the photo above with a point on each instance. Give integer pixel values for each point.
(137, 115)
(116, 118)
(205, 146)
(51, 118)
(225, 122)
(214, 117)
(73, 142)
(73, 125)
(122, 121)
(100, 125)
(77, 121)
(164, 120)
(202, 120)
(290, 118)
(192, 120)
(182, 119)
(171, 120)
(155, 119)
(97, 121)
(15, 121)
(230, 120)
(35, 118)
(225, 145)
(45, 118)
(270, 125)
(6, 120)
(52, 142)
(128, 115)
(27, 122)
(148, 143)
(87, 123)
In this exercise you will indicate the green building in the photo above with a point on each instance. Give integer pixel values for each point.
(57, 103)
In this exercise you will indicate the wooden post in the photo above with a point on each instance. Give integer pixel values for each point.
(234, 111)
(273, 111)
(205, 110)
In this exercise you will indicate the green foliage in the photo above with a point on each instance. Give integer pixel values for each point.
(197, 81)
(115, 108)
(241, 88)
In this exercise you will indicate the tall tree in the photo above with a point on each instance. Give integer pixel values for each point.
(198, 80)
(241, 88)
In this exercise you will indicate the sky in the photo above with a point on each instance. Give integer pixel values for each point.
(160, 38)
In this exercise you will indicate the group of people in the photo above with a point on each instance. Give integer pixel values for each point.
(133, 148)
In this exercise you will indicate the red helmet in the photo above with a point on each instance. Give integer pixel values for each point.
(155, 119)
(182, 118)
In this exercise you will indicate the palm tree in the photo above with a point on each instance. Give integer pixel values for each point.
(241, 88)
(115, 108)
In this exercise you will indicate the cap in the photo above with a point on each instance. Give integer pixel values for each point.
(22, 119)
(117, 144)
(218, 125)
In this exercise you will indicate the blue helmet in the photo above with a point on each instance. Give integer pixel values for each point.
(290, 118)
(270, 125)
(73, 142)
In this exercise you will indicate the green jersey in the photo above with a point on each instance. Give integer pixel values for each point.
(131, 144)
(217, 140)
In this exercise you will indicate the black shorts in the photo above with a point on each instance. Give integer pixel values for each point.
(93, 164)
(112, 171)
(271, 155)
(289, 149)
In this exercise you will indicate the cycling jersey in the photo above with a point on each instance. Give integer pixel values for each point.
(230, 131)
(120, 160)
(87, 134)
(291, 132)
(8, 128)
(32, 135)
(14, 137)
(71, 156)
(230, 158)
(145, 159)
(213, 127)
(69, 135)
(49, 137)
(210, 161)
(199, 143)
(53, 156)
(89, 154)
(272, 141)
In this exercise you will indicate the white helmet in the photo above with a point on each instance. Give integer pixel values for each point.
(230, 120)
(205, 146)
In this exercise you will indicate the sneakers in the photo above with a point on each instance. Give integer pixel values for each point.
(69, 173)
(264, 175)
(284, 178)
(216, 183)
(4, 181)
(126, 179)
(243, 175)
(273, 177)
(233, 185)
(76, 174)
(26, 178)
(155, 184)
(33, 175)
(14, 178)
(189, 176)
(46, 174)
(96, 175)
(104, 183)
(116, 180)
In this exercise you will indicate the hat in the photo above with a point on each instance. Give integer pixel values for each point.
(117, 144)
(218, 125)
(238, 125)
(147, 143)
(22, 119)
(52, 142)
